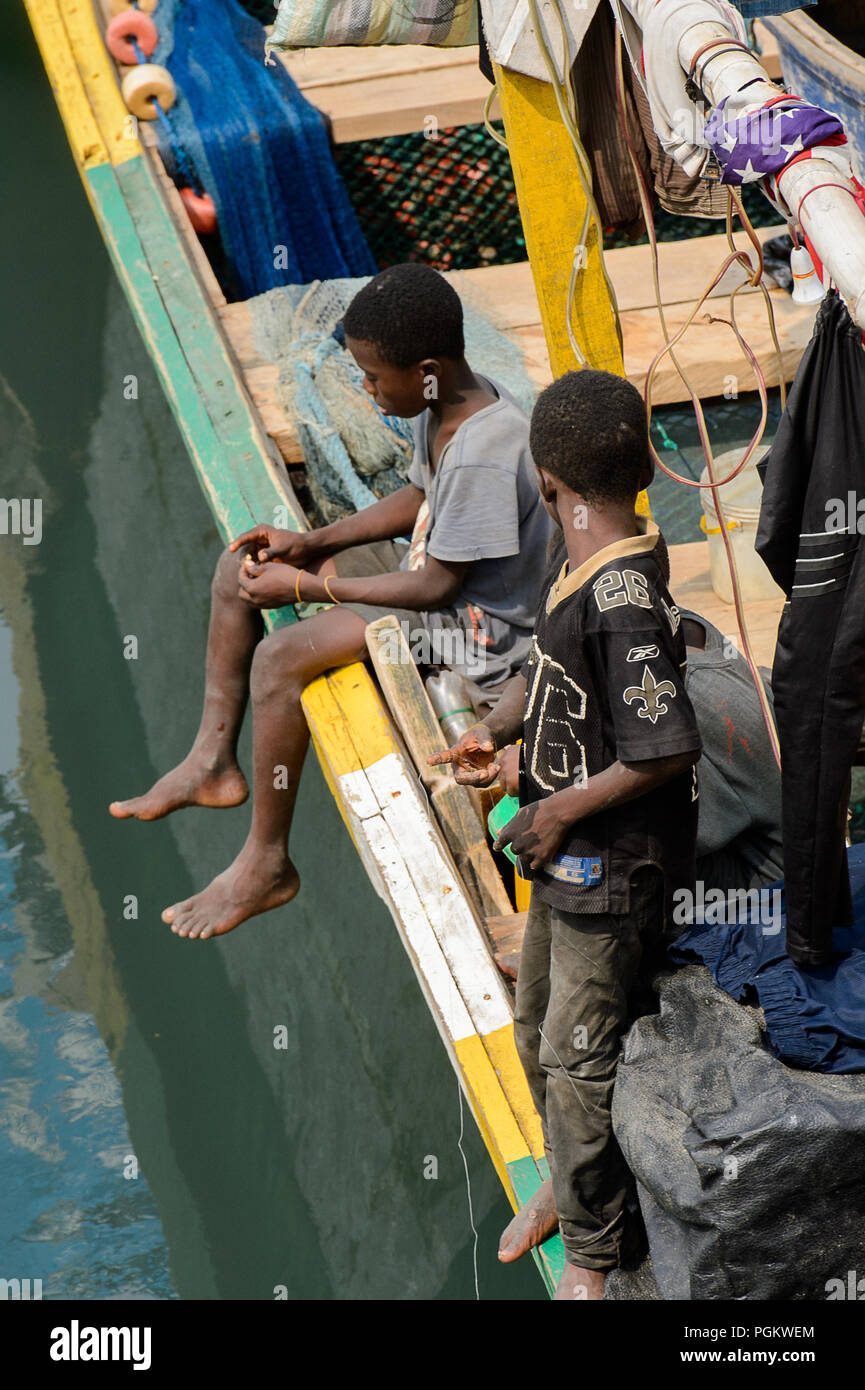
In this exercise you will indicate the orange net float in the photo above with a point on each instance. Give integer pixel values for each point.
(130, 24)
(117, 6)
(200, 210)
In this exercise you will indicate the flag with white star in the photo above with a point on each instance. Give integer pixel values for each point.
(753, 146)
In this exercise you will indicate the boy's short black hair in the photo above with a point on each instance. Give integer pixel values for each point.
(408, 312)
(590, 430)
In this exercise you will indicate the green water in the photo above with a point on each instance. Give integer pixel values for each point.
(153, 1142)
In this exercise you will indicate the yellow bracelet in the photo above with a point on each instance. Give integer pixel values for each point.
(325, 578)
(297, 586)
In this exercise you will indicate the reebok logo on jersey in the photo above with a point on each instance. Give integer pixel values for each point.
(641, 653)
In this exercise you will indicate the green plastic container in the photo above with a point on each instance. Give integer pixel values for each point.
(502, 812)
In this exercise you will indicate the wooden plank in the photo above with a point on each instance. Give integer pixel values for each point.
(506, 933)
(348, 64)
(686, 268)
(506, 296)
(551, 207)
(415, 718)
(691, 587)
(709, 352)
(371, 93)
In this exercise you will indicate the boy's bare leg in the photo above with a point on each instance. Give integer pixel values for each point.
(209, 774)
(262, 876)
(584, 1284)
(533, 1224)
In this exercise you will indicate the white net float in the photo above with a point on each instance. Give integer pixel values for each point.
(125, 27)
(144, 86)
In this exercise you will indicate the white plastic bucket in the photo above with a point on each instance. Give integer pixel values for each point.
(740, 502)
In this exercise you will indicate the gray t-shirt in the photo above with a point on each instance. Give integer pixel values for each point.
(485, 508)
(739, 832)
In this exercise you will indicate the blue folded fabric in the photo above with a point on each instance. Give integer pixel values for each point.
(815, 1016)
(756, 9)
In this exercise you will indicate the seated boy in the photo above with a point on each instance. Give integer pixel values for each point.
(476, 563)
(608, 819)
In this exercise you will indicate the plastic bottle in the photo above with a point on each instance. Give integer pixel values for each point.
(450, 700)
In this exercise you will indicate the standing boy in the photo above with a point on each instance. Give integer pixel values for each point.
(609, 800)
(476, 563)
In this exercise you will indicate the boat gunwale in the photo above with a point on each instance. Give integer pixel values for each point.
(836, 53)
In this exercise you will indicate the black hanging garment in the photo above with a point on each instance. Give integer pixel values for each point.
(814, 476)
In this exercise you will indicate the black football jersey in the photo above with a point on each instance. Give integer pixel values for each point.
(605, 683)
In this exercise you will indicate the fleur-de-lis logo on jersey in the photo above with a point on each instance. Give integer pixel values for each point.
(650, 693)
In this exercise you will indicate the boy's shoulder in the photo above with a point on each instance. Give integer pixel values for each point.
(501, 426)
(622, 587)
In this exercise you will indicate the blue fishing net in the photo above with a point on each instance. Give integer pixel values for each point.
(259, 148)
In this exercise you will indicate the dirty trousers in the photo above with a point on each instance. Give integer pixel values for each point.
(581, 980)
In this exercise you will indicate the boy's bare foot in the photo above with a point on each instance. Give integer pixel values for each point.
(584, 1284)
(194, 782)
(531, 1226)
(250, 885)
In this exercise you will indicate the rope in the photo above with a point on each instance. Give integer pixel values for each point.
(714, 484)
(468, 1191)
(184, 167)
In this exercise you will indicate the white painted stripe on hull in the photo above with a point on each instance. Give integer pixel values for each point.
(426, 892)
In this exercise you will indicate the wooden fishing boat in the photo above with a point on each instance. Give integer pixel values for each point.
(822, 59)
(420, 838)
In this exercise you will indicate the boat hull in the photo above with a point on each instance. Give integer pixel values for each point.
(825, 71)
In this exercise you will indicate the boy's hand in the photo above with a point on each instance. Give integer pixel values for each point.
(268, 585)
(265, 543)
(536, 832)
(509, 769)
(473, 758)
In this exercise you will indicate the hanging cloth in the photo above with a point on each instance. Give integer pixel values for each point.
(808, 537)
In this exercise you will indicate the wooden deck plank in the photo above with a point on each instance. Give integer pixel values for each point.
(369, 93)
(691, 587)
(505, 295)
(347, 64)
